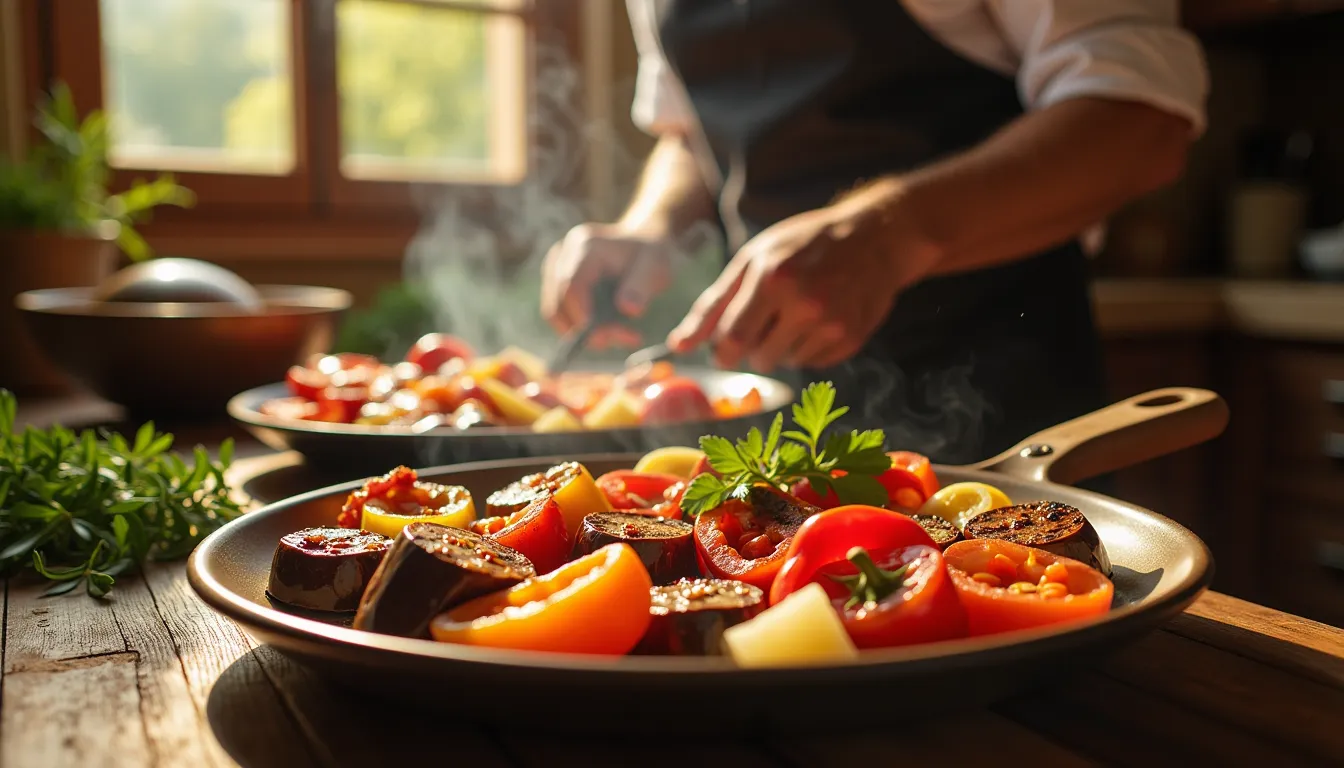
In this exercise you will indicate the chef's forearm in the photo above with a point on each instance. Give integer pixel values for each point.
(671, 195)
(1038, 182)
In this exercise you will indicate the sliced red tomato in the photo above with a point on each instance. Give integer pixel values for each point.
(340, 405)
(306, 382)
(435, 349)
(627, 489)
(1006, 586)
(675, 400)
(537, 530)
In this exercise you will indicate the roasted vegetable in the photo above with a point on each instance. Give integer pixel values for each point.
(959, 502)
(943, 533)
(677, 460)
(1049, 525)
(802, 630)
(430, 568)
(664, 546)
(538, 531)
(597, 604)
(909, 483)
(1006, 586)
(903, 598)
(570, 484)
(325, 569)
(389, 503)
(689, 617)
(747, 540)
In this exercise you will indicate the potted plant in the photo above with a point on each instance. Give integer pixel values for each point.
(60, 227)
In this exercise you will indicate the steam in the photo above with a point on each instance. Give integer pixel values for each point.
(939, 413)
(480, 263)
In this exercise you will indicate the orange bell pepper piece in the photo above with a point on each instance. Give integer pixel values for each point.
(597, 604)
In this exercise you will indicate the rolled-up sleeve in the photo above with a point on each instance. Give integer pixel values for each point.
(1133, 50)
(660, 104)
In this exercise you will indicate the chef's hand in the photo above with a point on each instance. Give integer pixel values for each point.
(809, 291)
(591, 252)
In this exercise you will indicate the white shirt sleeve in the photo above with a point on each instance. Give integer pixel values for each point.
(660, 103)
(1059, 49)
(1126, 49)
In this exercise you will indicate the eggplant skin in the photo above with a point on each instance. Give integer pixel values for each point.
(941, 530)
(518, 494)
(690, 616)
(1052, 526)
(665, 546)
(431, 568)
(325, 569)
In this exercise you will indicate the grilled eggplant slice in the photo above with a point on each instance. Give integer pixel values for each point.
(664, 545)
(689, 617)
(325, 569)
(430, 568)
(940, 529)
(1048, 525)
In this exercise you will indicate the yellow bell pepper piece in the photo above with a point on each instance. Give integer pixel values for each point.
(959, 502)
(457, 512)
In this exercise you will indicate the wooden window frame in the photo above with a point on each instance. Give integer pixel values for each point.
(313, 212)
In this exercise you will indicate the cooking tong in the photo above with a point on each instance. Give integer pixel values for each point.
(604, 312)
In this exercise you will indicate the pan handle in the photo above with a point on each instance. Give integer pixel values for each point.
(1131, 431)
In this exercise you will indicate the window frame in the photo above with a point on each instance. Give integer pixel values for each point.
(299, 212)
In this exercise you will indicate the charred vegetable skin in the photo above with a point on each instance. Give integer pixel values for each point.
(325, 569)
(689, 617)
(943, 532)
(570, 484)
(747, 540)
(664, 546)
(430, 568)
(538, 531)
(1049, 525)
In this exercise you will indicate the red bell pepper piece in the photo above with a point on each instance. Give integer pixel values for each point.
(909, 482)
(909, 471)
(747, 540)
(627, 489)
(537, 530)
(902, 598)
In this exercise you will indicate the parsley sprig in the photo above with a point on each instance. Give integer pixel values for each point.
(781, 458)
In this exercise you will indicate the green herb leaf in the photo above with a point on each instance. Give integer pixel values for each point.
(722, 455)
(81, 509)
(704, 493)
(782, 457)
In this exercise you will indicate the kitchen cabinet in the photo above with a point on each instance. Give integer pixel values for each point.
(1204, 14)
(1268, 496)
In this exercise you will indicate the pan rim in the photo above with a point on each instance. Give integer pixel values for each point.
(964, 652)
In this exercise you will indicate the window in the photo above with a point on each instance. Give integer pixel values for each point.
(307, 112)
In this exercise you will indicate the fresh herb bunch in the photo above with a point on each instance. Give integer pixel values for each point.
(780, 458)
(85, 508)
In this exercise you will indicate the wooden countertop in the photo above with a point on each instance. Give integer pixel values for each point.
(1291, 310)
(153, 677)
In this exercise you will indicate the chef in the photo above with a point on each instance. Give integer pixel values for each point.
(907, 189)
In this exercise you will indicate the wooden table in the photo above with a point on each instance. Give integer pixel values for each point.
(152, 676)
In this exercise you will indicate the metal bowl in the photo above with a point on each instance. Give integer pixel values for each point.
(180, 359)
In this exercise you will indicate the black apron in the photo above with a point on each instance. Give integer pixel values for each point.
(799, 101)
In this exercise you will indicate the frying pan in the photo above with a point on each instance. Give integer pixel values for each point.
(360, 449)
(1159, 569)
